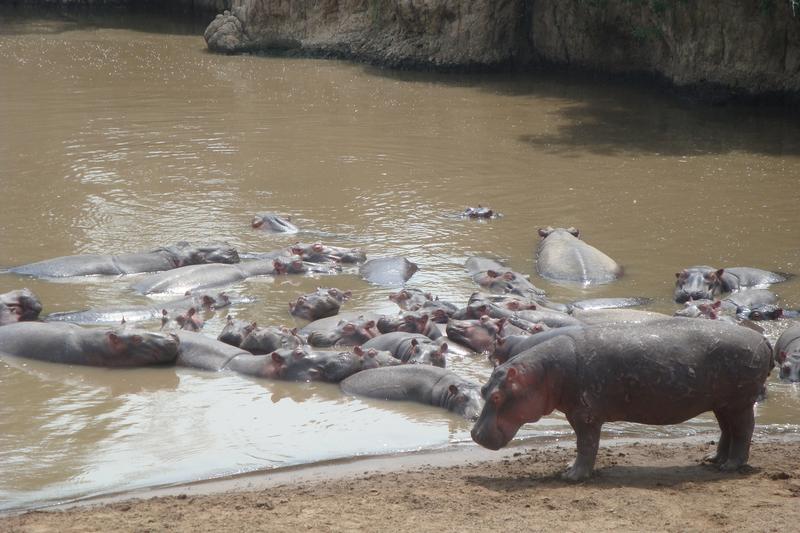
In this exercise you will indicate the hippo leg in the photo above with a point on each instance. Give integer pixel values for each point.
(723, 446)
(588, 440)
(741, 431)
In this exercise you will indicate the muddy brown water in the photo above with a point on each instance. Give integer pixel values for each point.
(116, 138)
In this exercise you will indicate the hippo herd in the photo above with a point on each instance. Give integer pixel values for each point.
(594, 360)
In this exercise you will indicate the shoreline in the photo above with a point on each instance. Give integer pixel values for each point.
(657, 466)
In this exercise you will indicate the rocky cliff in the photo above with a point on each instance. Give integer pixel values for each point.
(731, 47)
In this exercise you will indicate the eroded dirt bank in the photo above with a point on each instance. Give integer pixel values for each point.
(637, 487)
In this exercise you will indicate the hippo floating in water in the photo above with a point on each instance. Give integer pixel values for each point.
(480, 212)
(178, 255)
(76, 345)
(410, 322)
(662, 372)
(562, 256)
(322, 253)
(424, 384)
(272, 223)
(19, 306)
(787, 353)
(388, 271)
(707, 283)
(410, 348)
(323, 303)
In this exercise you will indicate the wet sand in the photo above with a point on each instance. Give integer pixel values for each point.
(638, 486)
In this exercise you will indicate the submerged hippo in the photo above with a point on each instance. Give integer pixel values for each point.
(198, 277)
(787, 353)
(19, 306)
(410, 299)
(167, 258)
(410, 348)
(76, 345)
(562, 256)
(388, 271)
(418, 383)
(479, 212)
(707, 283)
(657, 373)
(322, 253)
(273, 223)
(322, 303)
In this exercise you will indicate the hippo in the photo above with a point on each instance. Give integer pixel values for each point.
(439, 310)
(479, 212)
(410, 348)
(787, 353)
(21, 305)
(167, 258)
(741, 304)
(263, 340)
(143, 313)
(424, 384)
(189, 321)
(511, 345)
(235, 331)
(388, 271)
(479, 335)
(410, 299)
(321, 253)
(656, 373)
(346, 332)
(505, 281)
(708, 283)
(608, 303)
(476, 264)
(197, 277)
(563, 256)
(323, 303)
(611, 316)
(76, 345)
(410, 322)
(272, 223)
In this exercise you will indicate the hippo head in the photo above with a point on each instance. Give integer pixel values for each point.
(217, 301)
(346, 332)
(700, 309)
(295, 364)
(274, 223)
(293, 265)
(762, 312)
(480, 335)
(373, 358)
(515, 394)
(132, 347)
(184, 254)
(464, 399)
(430, 354)
(789, 366)
(19, 306)
(697, 284)
(189, 320)
(546, 232)
(235, 331)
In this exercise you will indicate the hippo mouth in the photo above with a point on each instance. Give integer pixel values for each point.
(489, 433)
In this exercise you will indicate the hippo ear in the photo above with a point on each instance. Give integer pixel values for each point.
(257, 222)
(511, 374)
(114, 338)
(443, 348)
(717, 304)
(346, 295)
(370, 324)
(720, 272)
(678, 275)
(293, 331)
(358, 350)
(544, 232)
(414, 342)
(453, 390)
(782, 356)
(208, 301)
(348, 328)
(277, 358)
(574, 231)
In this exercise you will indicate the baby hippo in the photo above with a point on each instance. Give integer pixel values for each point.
(320, 304)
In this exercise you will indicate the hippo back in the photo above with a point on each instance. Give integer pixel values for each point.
(562, 256)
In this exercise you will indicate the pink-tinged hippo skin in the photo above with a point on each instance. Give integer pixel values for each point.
(76, 345)
(21, 305)
(175, 256)
(787, 353)
(656, 373)
(706, 283)
(418, 383)
(563, 256)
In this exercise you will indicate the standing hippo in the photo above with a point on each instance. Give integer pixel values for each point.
(272, 223)
(19, 306)
(75, 345)
(388, 271)
(167, 258)
(562, 256)
(320, 304)
(410, 348)
(787, 353)
(707, 283)
(658, 373)
(418, 383)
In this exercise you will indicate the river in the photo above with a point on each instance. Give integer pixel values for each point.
(124, 135)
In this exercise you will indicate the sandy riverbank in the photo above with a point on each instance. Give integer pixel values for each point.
(637, 486)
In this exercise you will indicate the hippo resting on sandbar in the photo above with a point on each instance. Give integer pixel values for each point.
(19, 306)
(425, 384)
(167, 258)
(76, 345)
(661, 372)
(562, 256)
(787, 353)
(707, 283)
